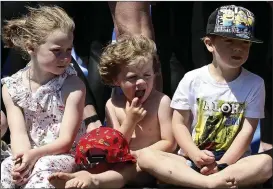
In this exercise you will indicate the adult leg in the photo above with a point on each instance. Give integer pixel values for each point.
(132, 18)
(173, 169)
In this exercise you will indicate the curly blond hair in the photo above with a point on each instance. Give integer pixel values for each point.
(124, 52)
(32, 29)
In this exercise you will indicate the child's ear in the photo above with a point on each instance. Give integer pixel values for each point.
(30, 48)
(208, 43)
(116, 83)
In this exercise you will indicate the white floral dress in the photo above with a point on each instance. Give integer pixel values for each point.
(43, 112)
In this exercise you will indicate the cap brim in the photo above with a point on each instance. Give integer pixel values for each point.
(126, 158)
(230, 35)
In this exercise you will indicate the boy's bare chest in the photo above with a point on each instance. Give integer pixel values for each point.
(148, 126)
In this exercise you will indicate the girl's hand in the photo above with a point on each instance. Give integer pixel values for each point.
(18, 180)
(16, 176)
(28, 160)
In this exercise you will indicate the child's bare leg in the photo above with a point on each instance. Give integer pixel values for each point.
(251, 170)
(59, 179)
(172, 169)
(115, 178)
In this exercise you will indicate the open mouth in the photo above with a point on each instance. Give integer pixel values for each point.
(139, 93)
(61, 66)
(236, 57)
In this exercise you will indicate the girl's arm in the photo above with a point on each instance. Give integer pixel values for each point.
(18, 132)
(73, 91)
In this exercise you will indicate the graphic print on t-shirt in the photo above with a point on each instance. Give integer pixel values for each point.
(218, 123)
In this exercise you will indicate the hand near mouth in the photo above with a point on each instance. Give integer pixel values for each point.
(135, 111)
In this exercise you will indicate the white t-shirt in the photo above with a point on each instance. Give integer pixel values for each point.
(218, 109)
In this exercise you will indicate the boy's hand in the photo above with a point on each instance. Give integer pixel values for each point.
(209, 169)
(135, 111)
(203, 157)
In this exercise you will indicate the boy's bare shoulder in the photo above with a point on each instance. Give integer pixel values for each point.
(109, 103)
(115, 102)
(162, 99)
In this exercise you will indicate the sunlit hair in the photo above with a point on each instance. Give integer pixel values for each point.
(32, 29)
(122, 53)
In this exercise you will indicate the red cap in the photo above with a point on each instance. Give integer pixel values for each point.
(107, 142)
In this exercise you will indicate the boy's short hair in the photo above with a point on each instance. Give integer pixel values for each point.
(233, 22)
(123, 52)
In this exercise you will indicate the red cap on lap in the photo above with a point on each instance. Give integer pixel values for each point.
(103, 144)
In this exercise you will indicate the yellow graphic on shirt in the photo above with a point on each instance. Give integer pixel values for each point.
(218, 124)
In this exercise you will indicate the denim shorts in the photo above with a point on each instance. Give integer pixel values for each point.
(217, 154)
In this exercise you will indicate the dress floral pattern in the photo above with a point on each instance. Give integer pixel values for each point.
(43, 112)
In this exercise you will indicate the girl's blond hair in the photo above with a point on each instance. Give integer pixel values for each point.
(32, 29)
(123, 52)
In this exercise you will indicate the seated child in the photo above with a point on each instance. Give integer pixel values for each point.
(216, 112)
(142, 114)
(44, 101)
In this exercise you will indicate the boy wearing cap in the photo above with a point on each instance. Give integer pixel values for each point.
(141, 113)
(216, 111)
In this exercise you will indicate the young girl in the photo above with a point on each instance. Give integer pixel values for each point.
(44, 101)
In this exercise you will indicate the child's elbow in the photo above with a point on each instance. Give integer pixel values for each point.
(172, 145)
(66, 146)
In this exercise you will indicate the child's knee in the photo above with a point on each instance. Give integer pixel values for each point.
(145, 158)
(266, 163)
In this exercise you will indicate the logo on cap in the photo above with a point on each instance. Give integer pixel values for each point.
(233, 19)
